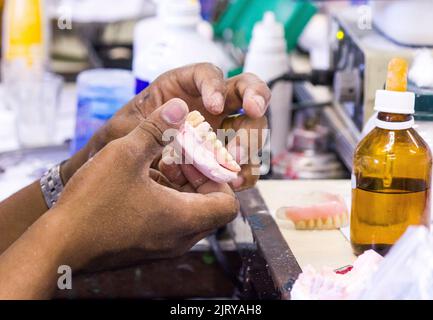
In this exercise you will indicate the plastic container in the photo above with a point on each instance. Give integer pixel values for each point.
(171, 40)
(35, 103)
(406, 272)
(268, 59)
(101, 92)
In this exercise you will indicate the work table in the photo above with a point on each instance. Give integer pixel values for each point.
(285, 251)
(319, 247)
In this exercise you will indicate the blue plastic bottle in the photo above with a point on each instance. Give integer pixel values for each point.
(101, 92)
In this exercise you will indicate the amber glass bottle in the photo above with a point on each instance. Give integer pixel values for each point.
(391, 177)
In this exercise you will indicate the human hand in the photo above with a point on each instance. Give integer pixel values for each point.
(203, 87)
(113, 202)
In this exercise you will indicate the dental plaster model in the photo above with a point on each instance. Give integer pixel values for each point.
(321, 211)
(201, 148)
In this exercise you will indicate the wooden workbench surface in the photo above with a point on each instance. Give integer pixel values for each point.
(317, 248)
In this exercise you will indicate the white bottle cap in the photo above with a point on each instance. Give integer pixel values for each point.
(268, 35)
(401, 102)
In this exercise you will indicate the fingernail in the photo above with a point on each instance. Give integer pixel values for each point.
(217, 102)
(174, 111)
(260, 101)
(238, 182)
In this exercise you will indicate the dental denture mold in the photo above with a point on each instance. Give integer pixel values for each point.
(328, 284)
(316, 211)
(199, 146)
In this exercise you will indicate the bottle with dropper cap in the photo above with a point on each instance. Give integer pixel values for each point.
(391, 170)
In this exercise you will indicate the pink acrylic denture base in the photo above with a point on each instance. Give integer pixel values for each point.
(195, 152)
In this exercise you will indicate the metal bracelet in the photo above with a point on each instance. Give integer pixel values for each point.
(52, 185)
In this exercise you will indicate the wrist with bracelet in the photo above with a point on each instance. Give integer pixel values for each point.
(52, 185)
(54, 180)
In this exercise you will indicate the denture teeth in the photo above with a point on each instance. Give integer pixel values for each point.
(337, 222)
(229, 157)
(218, 145)
(203, 129)
(221, 152)
(211, 136)
(195, 118)
(193, 115)
(300, 225)
(328, 223)
(235, 165)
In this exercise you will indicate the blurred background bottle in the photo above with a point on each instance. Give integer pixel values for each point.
(101, 92)
(268, 59)
(24, 40)
(30, 91)
(177, 36)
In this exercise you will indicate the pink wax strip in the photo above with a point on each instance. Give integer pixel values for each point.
(316, 211)
(201, 148)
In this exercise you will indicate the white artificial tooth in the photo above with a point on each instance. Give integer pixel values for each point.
(204, 127)
(195, 118)
(197, 121)
(234, 164)
(311, 224)
(300, 225)
(191, 116)
(319, 223)
(229, 157)
(328, 223)
(218, 144)
(211, 136)
(337, 222)
(221, 154)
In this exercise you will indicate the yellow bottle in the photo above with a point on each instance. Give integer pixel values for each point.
(24, 39)
(391, 170)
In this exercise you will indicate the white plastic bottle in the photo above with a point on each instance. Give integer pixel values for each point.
(268, 59)
(171, 40)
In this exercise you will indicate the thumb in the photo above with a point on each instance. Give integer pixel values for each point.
(154, 133)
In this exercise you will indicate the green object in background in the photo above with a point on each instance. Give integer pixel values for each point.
(423, 102)
(238, 21)
(235, 72)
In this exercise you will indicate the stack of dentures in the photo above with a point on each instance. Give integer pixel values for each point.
(200, 147)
